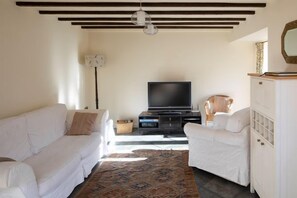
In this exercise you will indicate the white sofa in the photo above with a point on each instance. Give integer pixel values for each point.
(222, 149)
(48, 162)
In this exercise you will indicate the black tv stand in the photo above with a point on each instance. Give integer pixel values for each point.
(166, 122)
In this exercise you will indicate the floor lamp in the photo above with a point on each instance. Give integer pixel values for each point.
(95, 61)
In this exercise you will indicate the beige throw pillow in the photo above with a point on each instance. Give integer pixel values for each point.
(82, 124)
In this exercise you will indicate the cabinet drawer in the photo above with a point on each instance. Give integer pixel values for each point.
(170, 119)
(170, 122)
(263, 96)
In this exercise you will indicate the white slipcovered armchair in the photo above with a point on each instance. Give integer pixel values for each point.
(222, 149)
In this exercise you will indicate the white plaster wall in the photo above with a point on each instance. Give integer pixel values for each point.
(207, 59)
(39, 61)
(274, 17)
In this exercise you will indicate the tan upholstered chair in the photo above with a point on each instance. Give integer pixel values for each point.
(217, 103)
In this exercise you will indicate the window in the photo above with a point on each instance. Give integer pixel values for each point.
(261, 57)
(265, 57)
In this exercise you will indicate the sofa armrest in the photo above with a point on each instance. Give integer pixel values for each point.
(20, 175)
(110, 131)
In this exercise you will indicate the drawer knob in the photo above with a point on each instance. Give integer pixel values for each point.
(260, 83)
(258, 140)
(262, 143)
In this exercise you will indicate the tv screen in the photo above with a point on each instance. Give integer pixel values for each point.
(169, 95)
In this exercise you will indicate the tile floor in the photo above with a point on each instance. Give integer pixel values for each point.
(209, 185)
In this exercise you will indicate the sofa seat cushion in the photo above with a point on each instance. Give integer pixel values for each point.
(59, 159)
(53, 164)
(82, 144)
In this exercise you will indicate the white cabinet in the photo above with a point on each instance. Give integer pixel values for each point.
(274, 136)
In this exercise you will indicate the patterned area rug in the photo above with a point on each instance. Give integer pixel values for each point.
(142, 174)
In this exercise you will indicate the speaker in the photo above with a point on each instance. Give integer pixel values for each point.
(94, 60)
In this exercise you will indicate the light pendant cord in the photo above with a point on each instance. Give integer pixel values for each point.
(140, 4)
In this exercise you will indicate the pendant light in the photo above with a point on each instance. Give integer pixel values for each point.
(140, 17)
(150, 29)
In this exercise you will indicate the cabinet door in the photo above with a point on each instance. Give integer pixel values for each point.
(263, 96)
(257, 163)
(263, 166)
(268, 170)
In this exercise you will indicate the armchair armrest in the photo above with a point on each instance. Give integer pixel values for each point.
(207, 108)
(198, 131)
(220, 121)
(12, 192)
(18, 175)
(240, 139)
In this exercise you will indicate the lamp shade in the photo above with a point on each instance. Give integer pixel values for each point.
(150, 29)
(94, 60)
(140, 17)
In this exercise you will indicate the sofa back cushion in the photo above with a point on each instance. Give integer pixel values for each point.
(14, 142)
(100, 122)
(238, 120)
(46, 125)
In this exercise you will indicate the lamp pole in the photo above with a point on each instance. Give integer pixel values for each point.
(95, 61)
(96, 89)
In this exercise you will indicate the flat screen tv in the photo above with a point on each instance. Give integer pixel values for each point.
(171, 96)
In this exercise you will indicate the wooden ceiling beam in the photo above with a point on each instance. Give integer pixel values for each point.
(159, 27)
(136, 4)
(156, 23)
(165, 12)
(176, 19)
(153, 19)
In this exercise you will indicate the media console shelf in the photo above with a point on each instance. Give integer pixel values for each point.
(166, 123)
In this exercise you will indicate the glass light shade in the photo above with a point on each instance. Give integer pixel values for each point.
(150, 29)
(140, 18)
